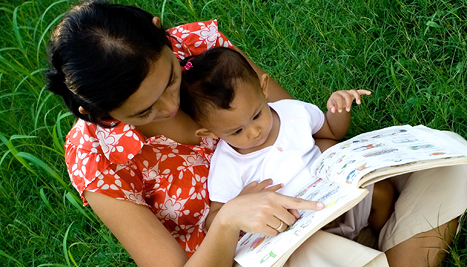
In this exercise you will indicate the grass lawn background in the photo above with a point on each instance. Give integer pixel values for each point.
(411, 54)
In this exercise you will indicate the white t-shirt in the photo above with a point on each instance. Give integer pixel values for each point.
(287, 161)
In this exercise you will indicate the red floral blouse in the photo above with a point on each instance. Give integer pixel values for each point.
(168, 177)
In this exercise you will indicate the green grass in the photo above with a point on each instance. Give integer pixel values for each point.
(411, 54)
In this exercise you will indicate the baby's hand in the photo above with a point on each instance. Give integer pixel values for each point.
(344, 98)
(255, 187)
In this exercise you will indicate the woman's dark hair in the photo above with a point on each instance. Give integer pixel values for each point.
(99, 54)
(209, 83)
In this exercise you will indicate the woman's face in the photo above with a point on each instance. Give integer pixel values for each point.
(158, 96)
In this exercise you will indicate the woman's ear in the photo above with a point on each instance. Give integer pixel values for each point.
(82, 110)
(264, 84)
(157, 22)
(203, 132)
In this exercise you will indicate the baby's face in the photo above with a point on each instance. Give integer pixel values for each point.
(247, 125)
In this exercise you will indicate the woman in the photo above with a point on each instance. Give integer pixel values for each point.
(132, 154)
(113, 67)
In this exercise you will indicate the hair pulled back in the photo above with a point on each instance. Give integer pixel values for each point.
(210, 82)
(99, 54)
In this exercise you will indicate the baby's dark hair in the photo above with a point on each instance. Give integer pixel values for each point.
(99, 54)
(209, 83)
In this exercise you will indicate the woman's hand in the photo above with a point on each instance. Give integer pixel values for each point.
(343, 99)
(255, 187)
(262, 212)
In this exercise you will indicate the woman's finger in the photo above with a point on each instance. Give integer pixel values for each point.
(258, 212)
(278, 225)
(300, 204)
(295, 213)
(275, 187)
(265, 183)
(289, 206)
(254, 187)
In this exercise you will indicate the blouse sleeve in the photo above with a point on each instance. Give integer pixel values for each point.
(119, 182)
(110, 172)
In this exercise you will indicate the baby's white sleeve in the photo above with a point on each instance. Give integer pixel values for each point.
(317, 117)
(224, 179)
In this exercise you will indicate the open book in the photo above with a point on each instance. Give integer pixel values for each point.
(340, 176)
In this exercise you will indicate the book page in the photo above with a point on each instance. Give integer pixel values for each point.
(348, 161)
(259, 250)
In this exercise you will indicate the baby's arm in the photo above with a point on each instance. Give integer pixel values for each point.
(337, 119)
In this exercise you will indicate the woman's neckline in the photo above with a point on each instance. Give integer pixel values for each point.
(181, 128)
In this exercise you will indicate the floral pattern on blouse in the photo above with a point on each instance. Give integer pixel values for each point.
(164, 175)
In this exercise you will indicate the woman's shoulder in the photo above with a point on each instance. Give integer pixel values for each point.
(194, 38)
(91, 149)
(118, 144)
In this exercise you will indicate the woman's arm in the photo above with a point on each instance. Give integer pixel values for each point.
(275, 91)
(150, 244)
(148, 241)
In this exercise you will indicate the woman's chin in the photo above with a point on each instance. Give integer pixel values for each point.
(173, 113)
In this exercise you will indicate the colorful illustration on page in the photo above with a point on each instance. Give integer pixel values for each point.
(380, 152)
(422, 147)
(366, 147)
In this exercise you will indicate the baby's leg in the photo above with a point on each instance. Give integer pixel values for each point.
(382, 205)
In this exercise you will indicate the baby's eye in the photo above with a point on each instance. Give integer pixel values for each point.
(238, 131)
(257, 116)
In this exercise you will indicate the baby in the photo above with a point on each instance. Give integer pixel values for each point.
(258, 140)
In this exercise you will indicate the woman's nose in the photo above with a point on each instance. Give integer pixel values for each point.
(167, 103)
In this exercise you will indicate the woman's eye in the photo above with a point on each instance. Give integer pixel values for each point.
(146, 115)
(174, 79)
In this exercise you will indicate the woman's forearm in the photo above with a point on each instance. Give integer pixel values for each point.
(218, 247)
(150, 244)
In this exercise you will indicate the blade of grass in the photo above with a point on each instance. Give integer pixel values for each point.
(78, 206)
(19, 40)
(396, 82)
(46, 31)
(163, 12)
(4, 254)
(42, 165)
(57, 134)
(46, 201)
(65, 250)
(40, 107)
(14, 151)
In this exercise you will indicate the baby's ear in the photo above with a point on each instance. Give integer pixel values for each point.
(203, 132)
(264, 84)
(82, 110)
(157, 22)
